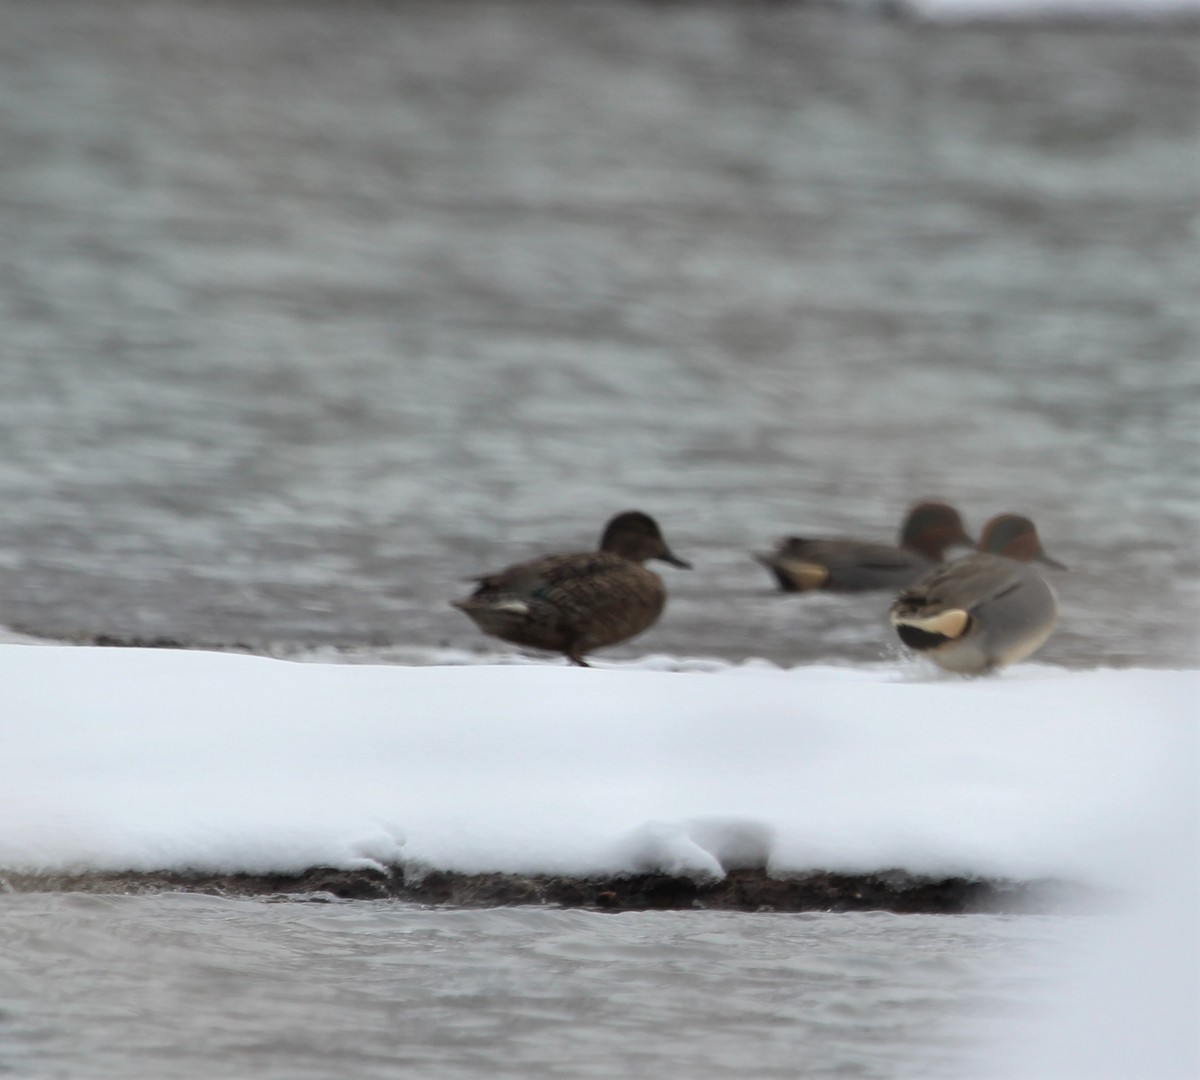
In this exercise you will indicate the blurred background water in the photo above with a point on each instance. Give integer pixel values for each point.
(312, 311)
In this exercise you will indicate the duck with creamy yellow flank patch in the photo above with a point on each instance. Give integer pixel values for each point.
(576, 603)
(986, 610)
(841, 565)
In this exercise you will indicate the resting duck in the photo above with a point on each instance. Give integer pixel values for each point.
(983, 611)
(839, 565)
(575, 603)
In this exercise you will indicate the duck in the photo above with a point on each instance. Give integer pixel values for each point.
(842, 565)
(986, 610)
(577, 602)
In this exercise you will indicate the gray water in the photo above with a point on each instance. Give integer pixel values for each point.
(176, 987)
(311, 311)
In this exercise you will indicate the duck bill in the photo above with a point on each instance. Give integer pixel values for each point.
(1042, 557)
(675, 560)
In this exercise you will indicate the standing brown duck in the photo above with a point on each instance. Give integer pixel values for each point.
(841, 565)
(579, 602)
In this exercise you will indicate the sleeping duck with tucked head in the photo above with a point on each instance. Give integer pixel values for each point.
(578, 602)
(986, 610)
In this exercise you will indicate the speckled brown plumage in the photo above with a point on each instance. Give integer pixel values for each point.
(578, 602)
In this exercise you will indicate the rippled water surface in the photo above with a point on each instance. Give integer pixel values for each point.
(179, 986)
(311, 311)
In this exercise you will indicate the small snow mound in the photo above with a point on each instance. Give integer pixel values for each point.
(701, 848)
(661, 847)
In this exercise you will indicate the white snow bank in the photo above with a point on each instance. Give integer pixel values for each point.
(136, 759)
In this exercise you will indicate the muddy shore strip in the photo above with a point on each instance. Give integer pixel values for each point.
(741, 890)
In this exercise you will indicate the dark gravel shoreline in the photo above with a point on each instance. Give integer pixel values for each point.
(742, 890)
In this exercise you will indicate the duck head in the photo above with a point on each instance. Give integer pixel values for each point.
(1015, 537)
(931, 527)
(636, 536)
